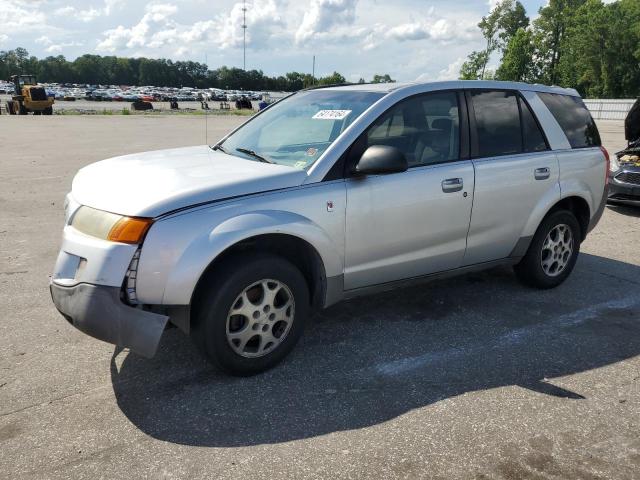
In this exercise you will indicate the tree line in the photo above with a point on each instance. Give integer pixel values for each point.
(111, 70)
(583, 44)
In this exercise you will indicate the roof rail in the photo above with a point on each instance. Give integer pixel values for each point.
(318, 87)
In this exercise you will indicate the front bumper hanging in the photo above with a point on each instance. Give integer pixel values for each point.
(98, 311)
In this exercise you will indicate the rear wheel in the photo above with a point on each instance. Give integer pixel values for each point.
(10, 108)
(250, 313)
(48, 111)
(22, 109)
(553, 251)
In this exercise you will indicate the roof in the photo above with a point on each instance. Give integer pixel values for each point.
(457, 84)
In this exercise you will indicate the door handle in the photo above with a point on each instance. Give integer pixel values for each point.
(542, 173)
(452, 185)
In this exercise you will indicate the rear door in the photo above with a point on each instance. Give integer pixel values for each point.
(514, 169)
(412, 223)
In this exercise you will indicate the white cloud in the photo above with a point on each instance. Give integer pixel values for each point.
(150, 31)
(3, 38)
(323, 15)
(158, 29)
(264, 22)
(439, 29)
(43, 40)
(89, 14)
(14, 16)
(452, 72)
(59, 47)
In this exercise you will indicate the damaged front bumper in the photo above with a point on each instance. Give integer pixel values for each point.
(98, 311)
(624, 186)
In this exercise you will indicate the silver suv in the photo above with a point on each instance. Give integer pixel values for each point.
(328, 194)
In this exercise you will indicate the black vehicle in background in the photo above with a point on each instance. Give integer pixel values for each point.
(624, 186)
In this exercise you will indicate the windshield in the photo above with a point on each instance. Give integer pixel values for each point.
(297, 130)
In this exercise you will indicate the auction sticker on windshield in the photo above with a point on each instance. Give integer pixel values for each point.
(332, 114)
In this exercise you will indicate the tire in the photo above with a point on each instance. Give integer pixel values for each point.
(231, 341)
(48, 111)
(22, 110)
(548, 261)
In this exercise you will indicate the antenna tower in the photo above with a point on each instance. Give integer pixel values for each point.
(244, 35)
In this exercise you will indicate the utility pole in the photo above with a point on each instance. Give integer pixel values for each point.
(313, 71)
(244, 35)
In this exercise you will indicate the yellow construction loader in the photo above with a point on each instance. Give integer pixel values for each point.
(29, 97)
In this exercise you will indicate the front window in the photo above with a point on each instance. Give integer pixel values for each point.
(298, 130)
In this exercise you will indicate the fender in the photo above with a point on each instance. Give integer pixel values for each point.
(576, 187)
(544, 205)
(187, 244)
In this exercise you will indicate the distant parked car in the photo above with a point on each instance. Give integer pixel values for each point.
(328, 194)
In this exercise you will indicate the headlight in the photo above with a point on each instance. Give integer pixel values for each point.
(614, 165)
(110, 226)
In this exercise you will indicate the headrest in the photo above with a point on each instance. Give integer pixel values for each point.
(442, 124)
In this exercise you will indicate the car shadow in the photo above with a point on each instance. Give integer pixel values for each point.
(628, 210)
(372, 359)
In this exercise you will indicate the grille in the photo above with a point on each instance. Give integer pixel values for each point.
(38, 94)
(629, 177)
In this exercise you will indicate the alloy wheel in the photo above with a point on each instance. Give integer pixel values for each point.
(260, 318)
(557, 250)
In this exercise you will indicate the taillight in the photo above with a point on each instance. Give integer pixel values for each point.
(608, 159)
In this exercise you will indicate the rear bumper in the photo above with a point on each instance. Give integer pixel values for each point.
(98, 311)
(600, 210)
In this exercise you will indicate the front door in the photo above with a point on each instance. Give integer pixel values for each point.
(413, 223)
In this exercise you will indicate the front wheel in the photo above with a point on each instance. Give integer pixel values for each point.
(553, 251)
(250, 312)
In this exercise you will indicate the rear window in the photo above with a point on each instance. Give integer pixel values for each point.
(574, 119)
(497, 122)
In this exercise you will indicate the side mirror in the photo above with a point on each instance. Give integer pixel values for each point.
(381, 160)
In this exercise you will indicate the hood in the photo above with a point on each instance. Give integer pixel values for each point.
(152, 183)
(632, 123)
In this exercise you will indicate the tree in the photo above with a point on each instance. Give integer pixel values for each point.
(473, 68)
(386, 78)
(549, 35)
(334, 79)
(517, 61)
(499, 26)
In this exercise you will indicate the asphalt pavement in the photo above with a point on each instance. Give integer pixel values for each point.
(470, 377)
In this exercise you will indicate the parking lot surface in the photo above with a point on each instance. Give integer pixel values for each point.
(471, 377)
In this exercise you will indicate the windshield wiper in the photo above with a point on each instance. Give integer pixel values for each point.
(219, 146)
(253, 154)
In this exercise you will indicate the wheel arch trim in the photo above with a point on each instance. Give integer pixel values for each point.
(187, 266)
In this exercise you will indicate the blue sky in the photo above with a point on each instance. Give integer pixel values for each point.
(409, 39)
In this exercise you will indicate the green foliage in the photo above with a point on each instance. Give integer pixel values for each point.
(497, 28)
(473, 68)
(583, 44)
(334, 79)
(517, 61)
(110, 70)
(386, 78)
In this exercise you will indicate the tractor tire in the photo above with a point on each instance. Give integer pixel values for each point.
(10, 107)
(22, 110)
(48, 111)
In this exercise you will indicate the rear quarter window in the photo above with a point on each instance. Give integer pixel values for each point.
(574, 119)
